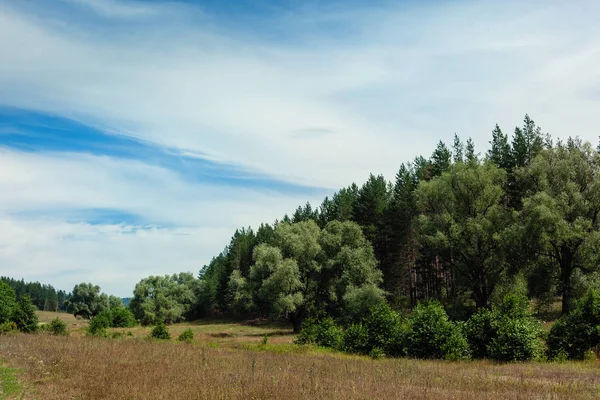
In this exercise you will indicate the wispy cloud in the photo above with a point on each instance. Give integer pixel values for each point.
(170, 100)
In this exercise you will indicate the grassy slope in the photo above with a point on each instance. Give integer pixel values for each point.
(223, 363)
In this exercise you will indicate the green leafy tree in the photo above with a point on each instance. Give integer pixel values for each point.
(463, 216)
(164, 298)
(24, 315)
(115, 302)
(313, 268)
(86, 300)
(239, 298)
(561, 212)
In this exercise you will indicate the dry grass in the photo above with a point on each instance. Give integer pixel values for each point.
(73, 324)
(223, 368)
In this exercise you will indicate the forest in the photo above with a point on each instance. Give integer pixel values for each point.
(457, 226)
(462, 256)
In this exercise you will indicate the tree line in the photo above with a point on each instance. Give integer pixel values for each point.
(458, 227)
(44, 297)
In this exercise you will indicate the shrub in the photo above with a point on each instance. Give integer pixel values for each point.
(160, 331)
(24, 315)
(100, 323)
(387, 330)
(356, 339)
(479, 331)
(322, 332)
(432, 334)
(516, 339)
(122, 317)
(7, 326)
(578, 331)
(508, 332)
(376, 353)
(57, 327)
(456, 347)
(186, 336)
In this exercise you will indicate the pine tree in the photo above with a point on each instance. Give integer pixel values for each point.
(470, 155)
(500, 150)
(458, 149)
(24, 315)
(441, 159)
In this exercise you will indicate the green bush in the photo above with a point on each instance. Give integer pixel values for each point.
(578, 331)
(387, 331)
(100, 323)
(122, 317)
(160, 331)
(480, 331)
(356, 339)
(322, 332)
(516, 339)
(24, 315)
(186, 336)
(508, 332)
(56, 327)
(7, 326)
(432, 334)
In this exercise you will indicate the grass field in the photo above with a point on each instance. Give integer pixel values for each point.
(228, 361)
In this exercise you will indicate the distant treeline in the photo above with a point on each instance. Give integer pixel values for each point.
(43, 297)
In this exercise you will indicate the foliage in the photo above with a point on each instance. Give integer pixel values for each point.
(432, 334)
(24, 315)
(578, 331)
(7, 326)
(43, 296)
(100, 323)
(160, 331)
(164, 298)
(322, 332)
(122, 317)
(463, 214)
(333, 268)
(7, 302)
(186, 336)
(56, 327)
(356, 339)
(507, 332)
(86, 300)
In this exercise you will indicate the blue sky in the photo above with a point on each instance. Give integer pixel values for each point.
(135, 136)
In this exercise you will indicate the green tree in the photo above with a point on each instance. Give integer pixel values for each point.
(86, 300)
(500, 150)
(462, 215)
(164, 298)
(312, 268)
(115, 302)
(458, 149)
(24, 315)
(441, 159)
(7, 302)
(561, 211)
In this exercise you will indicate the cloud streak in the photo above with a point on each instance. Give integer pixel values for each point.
(193, 117)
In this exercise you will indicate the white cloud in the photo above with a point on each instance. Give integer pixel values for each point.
(384, 91)
(198, 220)
(426, 72)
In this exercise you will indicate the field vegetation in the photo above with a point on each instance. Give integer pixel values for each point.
(229, 360)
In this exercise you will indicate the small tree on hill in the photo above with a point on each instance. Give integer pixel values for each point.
(24, 315)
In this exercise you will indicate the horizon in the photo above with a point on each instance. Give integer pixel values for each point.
(136, 136)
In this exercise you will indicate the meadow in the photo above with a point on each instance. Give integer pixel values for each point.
(230, 360)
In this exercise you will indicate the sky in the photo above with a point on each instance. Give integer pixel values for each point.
(136, 136)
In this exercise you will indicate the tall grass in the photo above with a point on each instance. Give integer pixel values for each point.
(98, 368)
